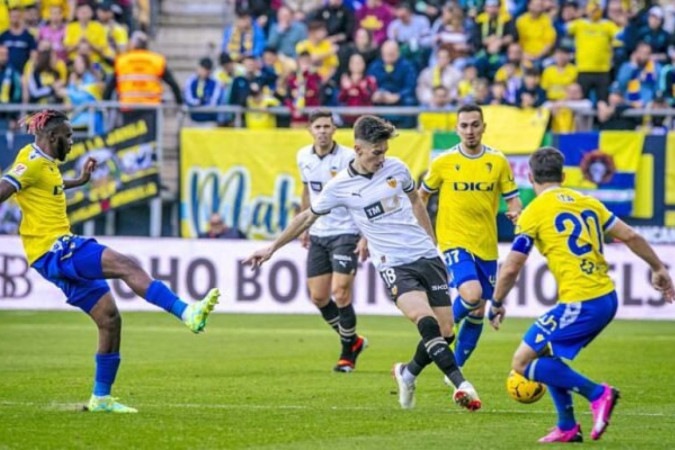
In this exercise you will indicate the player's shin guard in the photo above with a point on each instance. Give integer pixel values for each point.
(554, 372)
(106, 371)
(438, 350)
(160, 295)
(331, 314)
(467, 338)
(461, 308)
(347, 328)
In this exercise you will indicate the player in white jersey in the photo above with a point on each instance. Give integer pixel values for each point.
(332, 240)
(381, 198)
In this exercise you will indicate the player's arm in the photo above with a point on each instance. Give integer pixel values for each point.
(432, 182)
(300, 223)
(508, 274)
(7, 189)
(85, 176)
(421, 214)
(514, 206)
(304, 206)
(637, 244)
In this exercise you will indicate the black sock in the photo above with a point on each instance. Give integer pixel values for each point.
(437, 347)
(331, 315)
(347, 328)
(420, 360)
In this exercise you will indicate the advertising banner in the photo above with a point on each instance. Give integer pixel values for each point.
(127, 170)
(252, 180)
(192, 267)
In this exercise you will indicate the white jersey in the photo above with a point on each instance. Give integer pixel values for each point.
(381, 209)
(316, 171)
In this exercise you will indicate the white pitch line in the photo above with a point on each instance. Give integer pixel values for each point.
(76, 406)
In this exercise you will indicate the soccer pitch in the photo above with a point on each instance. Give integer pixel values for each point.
(262, 381)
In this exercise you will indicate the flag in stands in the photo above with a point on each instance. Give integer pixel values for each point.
(603, 165)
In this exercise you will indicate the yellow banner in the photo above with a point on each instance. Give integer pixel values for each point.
(251, 178)
(509, 129)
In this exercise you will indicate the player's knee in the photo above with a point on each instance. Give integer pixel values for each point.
(110, 321)
(519, 364)
(428, 328)
(341, 295)
(319, 301)
(471, 293)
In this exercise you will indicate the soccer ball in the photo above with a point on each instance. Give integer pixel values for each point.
(523, 390)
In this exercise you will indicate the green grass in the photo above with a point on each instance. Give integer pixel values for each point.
(256, 381)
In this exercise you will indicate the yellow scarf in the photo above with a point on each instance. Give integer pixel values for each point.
(239, 43)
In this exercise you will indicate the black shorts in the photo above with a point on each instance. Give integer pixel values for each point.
(425, 274)
(332, 254)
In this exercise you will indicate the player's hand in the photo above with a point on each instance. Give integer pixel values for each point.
(87, 169)
(304, 239)
(259, 257)
(664, 284)
(362, 249)
(496, 314)
(512, 216)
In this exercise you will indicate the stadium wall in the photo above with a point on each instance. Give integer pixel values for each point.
(192, 267)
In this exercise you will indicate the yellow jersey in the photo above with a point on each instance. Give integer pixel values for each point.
(535, 34)
(568, 228)
(469, 188)
(555, 80)
(323, 50)
(41, 197)
(594, 42)
(95, 33)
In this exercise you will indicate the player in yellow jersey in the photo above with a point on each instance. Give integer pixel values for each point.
(78, 265)
(470, 179)
(569, 229)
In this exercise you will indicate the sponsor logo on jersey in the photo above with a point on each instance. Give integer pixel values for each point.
(385, 206)
(316, 186)
(462, 186)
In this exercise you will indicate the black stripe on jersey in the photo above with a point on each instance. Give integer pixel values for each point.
(13, 181)
(428, 189)
(409, 188)
(316, 213)
(508, 195)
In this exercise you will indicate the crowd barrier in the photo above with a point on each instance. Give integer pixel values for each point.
(192, 267)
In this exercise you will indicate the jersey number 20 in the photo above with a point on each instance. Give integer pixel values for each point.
(588, 220)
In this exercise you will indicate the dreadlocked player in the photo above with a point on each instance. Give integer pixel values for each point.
(79, 266)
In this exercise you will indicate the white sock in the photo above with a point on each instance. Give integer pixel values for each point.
(408, 377)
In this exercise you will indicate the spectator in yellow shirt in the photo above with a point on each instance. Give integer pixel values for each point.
(84, 28)
(321, 50)
(535, 32)
(67, 7)
(117, 35)
(593, 40)
(558, 76)
(257, 100)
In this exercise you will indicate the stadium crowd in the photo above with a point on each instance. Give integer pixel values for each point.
(563, 54)
(60, 51)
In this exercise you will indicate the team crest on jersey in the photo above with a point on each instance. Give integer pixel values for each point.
(391, 181)
(19, 169)
(489, 167)
(34, 154)
(333, 171)
(457, 167)
(316, 186)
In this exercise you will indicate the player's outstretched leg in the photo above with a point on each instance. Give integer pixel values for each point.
(437, 347)
(107, 319)
(116, 265)
(352, 343)
(554, 372)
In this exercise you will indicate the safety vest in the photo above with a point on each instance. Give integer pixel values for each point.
(139, 77)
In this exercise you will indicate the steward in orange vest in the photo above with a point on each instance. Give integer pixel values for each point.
(139, 74)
